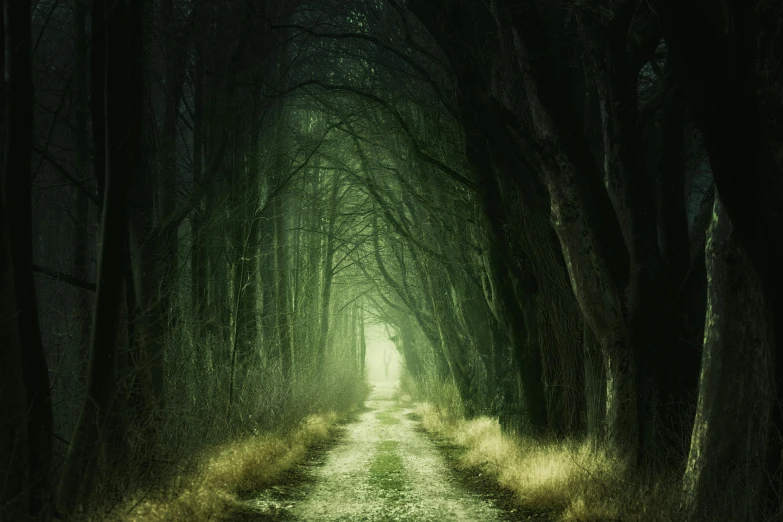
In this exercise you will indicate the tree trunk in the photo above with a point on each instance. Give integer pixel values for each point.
(164, 250)
(142, 240)
(727, 56)
(283, 308)
(84, 247)
(268, 277)
(326, 291)
(198, 261)
(446, 328)
(98, 93)
(253, 230)
(630, 190)
(407, 347)
(17, 201)
(525, 350)
(122, 140)
(14, 467)
(600, 303)
(725, 470)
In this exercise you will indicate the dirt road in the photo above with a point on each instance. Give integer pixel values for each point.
(383, 469)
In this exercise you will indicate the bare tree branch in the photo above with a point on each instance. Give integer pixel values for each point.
(66, 278)
(450, 172)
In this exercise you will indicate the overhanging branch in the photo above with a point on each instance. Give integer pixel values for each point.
(451, 173)
(377, 41)
(62, 276)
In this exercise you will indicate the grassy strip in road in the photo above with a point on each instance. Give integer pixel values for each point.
(386, 469)
(387, 418)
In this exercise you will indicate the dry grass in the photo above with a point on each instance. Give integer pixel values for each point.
(577, 480)
(224, 474)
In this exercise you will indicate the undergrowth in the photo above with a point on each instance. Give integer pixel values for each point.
(227, 473)
(196, 459)
(576, 480)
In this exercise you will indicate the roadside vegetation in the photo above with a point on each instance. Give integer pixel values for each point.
(225, 474)
(210, 482)
(576, 480)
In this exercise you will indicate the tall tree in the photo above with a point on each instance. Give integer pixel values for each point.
(17, 204)
(123, 137)
(736, 385)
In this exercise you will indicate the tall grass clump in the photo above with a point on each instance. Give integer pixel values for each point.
(224, 474)
(574, 480)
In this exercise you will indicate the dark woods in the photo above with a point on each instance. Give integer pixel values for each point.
(568, 211)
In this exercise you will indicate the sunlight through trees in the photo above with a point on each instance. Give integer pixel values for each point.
(551, 223)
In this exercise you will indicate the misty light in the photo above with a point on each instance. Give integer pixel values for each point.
(383, 359)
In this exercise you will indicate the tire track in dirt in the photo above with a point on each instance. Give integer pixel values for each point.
(384, 469)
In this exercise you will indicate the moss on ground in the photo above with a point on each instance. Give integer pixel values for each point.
(387, 418)
(386, 468)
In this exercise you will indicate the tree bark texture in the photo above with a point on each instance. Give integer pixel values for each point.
(726, 464)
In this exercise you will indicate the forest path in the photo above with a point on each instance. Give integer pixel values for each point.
(384, 469)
